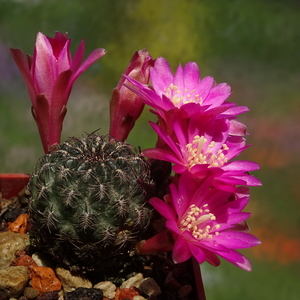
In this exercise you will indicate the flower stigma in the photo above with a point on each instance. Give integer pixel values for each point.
(180, 98)
(198, 222)
(196, 154)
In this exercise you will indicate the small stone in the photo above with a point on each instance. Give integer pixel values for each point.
(13, 280)
(4, 294)
(149, 287)
(48, 296)
(84, 294)
(44, 279)
(138, 297)
(171, 283)
(179, 270)
(11, 214)
(10, 244)
(23, 259)
(42, 260)
(136, 280)
(20, 224)
(147, 271)
(71, 282)
(30, 293)
(107, 287)
(61, 293)
(184, 291)
(126, 293)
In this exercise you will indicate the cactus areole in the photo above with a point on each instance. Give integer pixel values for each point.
(88, 202)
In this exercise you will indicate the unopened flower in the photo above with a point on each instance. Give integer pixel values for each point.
(49, 76)
(204, 222)
(203, 149)
(125, 105)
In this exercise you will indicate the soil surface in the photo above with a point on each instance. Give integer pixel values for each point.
(175, 281)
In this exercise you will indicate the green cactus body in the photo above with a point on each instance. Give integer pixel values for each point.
(88, 202)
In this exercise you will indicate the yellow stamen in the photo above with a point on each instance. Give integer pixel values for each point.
(198, 152)
(198, 222)
(180, 98)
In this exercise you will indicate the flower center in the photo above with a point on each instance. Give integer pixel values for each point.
(180, 98)
(198, 221)
(198, 152)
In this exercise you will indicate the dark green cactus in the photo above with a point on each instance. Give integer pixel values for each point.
(88, 202)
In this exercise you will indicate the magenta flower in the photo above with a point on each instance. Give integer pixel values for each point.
(185, 90)
(125, 105)
(205, 148)
(204, 222)
(49, 76)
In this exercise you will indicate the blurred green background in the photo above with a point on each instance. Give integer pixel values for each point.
(252, 45)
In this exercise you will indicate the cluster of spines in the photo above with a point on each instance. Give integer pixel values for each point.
(92, 190)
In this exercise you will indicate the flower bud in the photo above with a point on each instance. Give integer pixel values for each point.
(125, 105)
(49, 76)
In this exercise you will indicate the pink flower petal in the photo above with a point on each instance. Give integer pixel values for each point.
(181, 251)
(236, 259)
(94, 56)
(236, 110)
(64, 59)
(59, 93)
(24, 67)
(162, 68)
(45, 66)
(58, 42)
(212, 258)
(241, 165)
(160, 154)
(198, 253)
(237, 240)
(172, 225)
(78, 57)
(204, 87)
(191, 75)
(164, 209)
(237, 128)
(178, 79)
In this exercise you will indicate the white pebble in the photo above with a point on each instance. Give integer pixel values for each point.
(107, 287)
(42, 260)
(71, 282)
(138, 297)
(135, 281)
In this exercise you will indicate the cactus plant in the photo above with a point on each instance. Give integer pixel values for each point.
(88, 202)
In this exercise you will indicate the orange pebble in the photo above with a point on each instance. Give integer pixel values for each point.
(44, 279)
(20, 224)
(25, 260)
(126, 293)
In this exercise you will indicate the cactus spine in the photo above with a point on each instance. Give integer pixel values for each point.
(88, 202)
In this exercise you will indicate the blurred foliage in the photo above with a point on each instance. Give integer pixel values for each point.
(272, 281)
(260, 31)
(252, 45)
